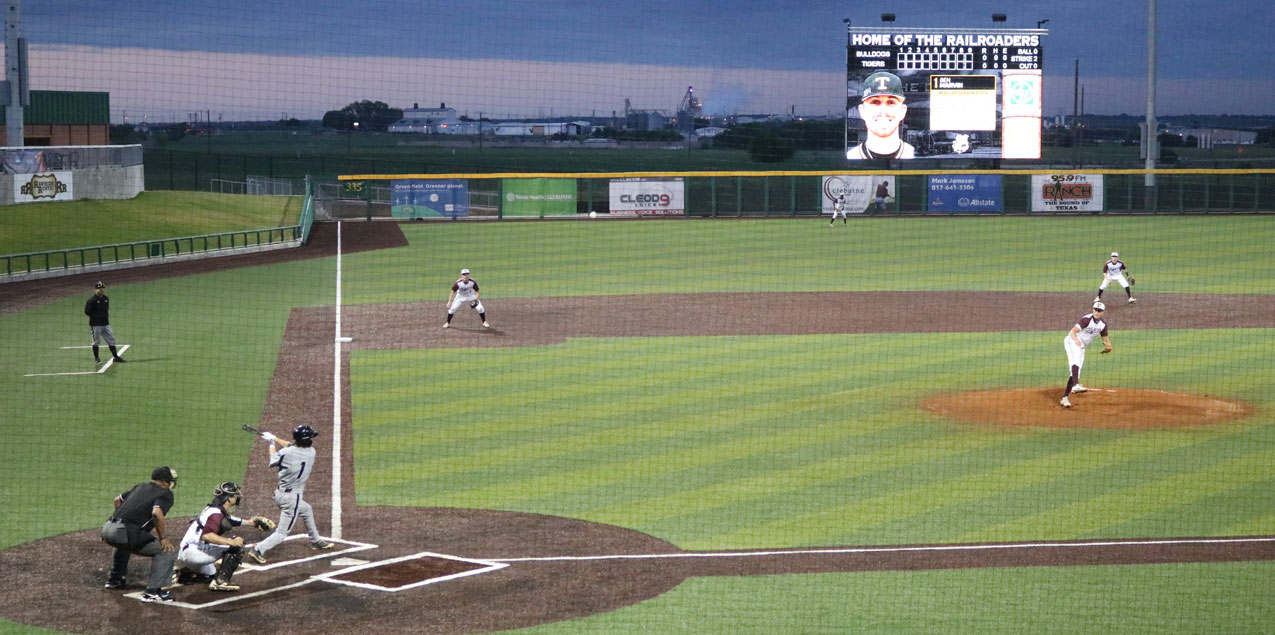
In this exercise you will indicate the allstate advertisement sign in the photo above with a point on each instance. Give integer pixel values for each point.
(965, 193)
(643, 197)
(432, 198)
(1067, 193)
(45, 186)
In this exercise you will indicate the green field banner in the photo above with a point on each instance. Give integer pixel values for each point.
(538, 197)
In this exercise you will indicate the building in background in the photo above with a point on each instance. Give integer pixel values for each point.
(65, 118)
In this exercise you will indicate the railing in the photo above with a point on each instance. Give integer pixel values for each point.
(69, 260)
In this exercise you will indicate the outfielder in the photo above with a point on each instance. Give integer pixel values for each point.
(295, 462)
(1082, 333)
(1114, 270)
(465, 290)
(205, 542)
(839, 207)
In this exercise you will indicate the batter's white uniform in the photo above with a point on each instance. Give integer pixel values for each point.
(1090, 327)
(198, 554)
(1113, 271)
(295, 465)
(466, 291)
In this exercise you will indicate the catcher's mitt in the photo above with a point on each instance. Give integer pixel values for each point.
(262, 523)
(1132, 281)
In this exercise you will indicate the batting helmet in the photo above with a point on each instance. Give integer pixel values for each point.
(303, 434)
(225, 492)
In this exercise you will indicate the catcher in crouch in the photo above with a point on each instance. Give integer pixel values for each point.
(206, 542)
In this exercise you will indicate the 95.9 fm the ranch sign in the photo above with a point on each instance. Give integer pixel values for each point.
(1067, 193)
(648, 197)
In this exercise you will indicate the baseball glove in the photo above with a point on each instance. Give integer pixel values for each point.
(262, 523)
(1105, 351)
(474, 304)
(1132, 281)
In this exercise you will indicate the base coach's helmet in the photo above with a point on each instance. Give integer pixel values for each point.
(303, 434)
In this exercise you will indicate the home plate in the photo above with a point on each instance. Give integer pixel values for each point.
(348, 562)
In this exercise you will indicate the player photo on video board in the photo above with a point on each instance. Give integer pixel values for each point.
(942, 95)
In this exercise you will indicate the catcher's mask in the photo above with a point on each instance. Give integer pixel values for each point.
(224, 492)
(303, 435)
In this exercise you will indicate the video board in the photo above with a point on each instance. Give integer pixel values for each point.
(943, 93)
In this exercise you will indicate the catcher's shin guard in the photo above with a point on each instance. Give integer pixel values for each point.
(229, 563)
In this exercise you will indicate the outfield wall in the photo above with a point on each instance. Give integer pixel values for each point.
(740, 194)
(98, 182)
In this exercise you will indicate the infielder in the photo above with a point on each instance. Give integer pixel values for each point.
(1114, 270)
(839, 207)
(98, 308)
(205, 542)
(295, 462)
(465, 290)
(1082, 333)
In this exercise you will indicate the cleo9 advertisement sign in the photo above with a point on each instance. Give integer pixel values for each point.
(648, 197)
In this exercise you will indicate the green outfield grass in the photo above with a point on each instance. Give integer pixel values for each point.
(149, 216)
(713, 443)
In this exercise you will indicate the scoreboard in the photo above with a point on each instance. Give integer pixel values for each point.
(963, 92)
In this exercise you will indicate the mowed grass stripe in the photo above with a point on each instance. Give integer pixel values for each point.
(810, 381)
(1093, 516)
(594, 397)
(675, 459)
(895, 504)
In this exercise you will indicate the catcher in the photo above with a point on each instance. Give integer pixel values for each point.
(206, 542)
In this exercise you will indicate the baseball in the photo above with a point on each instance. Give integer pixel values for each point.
(593, 214)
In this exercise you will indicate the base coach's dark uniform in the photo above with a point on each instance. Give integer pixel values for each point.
(98, 308)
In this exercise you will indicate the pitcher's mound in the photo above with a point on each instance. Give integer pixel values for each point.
(1124, 408)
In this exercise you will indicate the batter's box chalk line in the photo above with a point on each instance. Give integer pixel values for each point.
(110, 362)
(353, 547)
(484, 566)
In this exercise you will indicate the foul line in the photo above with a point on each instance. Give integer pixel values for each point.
(1020, 545)
(108, 364)
(336, 398)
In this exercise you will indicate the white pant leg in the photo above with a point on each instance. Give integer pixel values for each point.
(199, 557)
(1075, 355)
(288, 504)
(1105, 281)
(1121, 279)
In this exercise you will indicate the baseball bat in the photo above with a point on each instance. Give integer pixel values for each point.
(248, 428)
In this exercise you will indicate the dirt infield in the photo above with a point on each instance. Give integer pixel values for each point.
(1111, 408)
(515, 570)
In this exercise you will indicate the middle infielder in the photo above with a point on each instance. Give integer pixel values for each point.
(465, 290)
(1082, 333)
(1114, 270)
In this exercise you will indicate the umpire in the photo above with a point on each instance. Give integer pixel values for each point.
(138, 512)
(98, 308)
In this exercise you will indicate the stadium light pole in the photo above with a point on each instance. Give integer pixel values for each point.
(1153, 137)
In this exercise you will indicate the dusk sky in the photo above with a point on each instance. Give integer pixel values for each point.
(256, 60)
